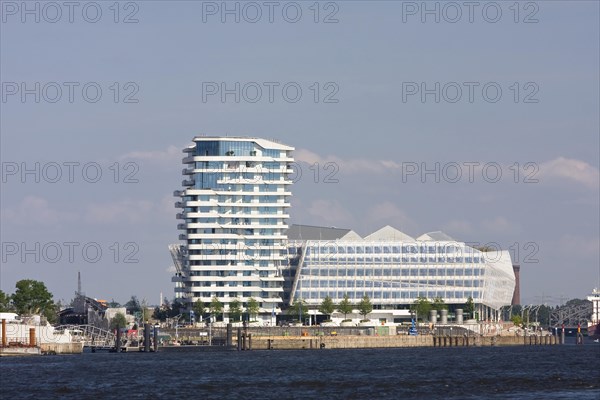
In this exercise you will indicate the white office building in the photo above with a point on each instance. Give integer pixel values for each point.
(394, 269)
(234, 211)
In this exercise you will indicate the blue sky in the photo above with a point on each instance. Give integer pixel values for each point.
(373, 134)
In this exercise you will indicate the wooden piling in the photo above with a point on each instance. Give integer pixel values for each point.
(31, 337)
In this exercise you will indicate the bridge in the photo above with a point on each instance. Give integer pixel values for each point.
(571, 315)
(92, 336)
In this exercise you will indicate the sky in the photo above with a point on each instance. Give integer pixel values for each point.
(478, 120)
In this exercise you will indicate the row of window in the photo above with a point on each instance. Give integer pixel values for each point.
(404, 296)
(385, 284)
(391, 272)
(234, 231)
(220, 166)
(234, 209)
(275, 297)
(232, 284)
(334, 260)
(209, 181)
(218, 263)
(236, 221)
(407, 248)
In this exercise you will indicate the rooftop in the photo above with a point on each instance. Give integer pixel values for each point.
(385, 234)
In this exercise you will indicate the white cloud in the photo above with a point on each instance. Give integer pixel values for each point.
(559, 168)
(170, 155)
(347, 165)
(35, 210)
(387, 213)
(331, 212)
(572, 170)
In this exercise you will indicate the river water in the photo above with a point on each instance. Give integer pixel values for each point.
(522, 372)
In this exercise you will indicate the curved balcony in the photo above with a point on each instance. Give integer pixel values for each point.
(187, 182)
(180, 216)
(181, 226)
(178, 193)
(179, 204)
(187, 171)
(183, 236)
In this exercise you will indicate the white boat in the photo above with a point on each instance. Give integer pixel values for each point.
(594, 323)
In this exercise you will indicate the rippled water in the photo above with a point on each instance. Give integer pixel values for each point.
(545, 372)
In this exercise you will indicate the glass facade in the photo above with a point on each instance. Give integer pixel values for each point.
(396, 273)
(234, 210)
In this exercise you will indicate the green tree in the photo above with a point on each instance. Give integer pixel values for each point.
(146, 313)
(299, 308)
(345, 307)
(118, 321)
(216, 307)
(253, 308)
(235, 310)
(469, 307)
(517, 320)
(365, 307)
(159, 314)
(133, 305)
(199, 309)
(439, 304)
(113, 304)
(32, 297)
(327, 306)
(544, 315)
(421, 307)
(4, 302)
(176, 308)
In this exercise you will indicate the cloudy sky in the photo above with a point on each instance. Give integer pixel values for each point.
(481, 121)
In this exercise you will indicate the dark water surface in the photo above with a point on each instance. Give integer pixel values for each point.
(524, 372)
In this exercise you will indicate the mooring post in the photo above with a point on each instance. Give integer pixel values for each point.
(155, 338)
(3, 332)
(229, 339)
(147, 337)
(118, 340)
(249, 341)
(239, 339)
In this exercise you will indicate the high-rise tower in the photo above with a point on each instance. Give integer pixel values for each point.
(234, 205)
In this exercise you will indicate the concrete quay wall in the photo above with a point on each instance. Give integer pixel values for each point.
(62, 348)
(338, 342)
(365, 342)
